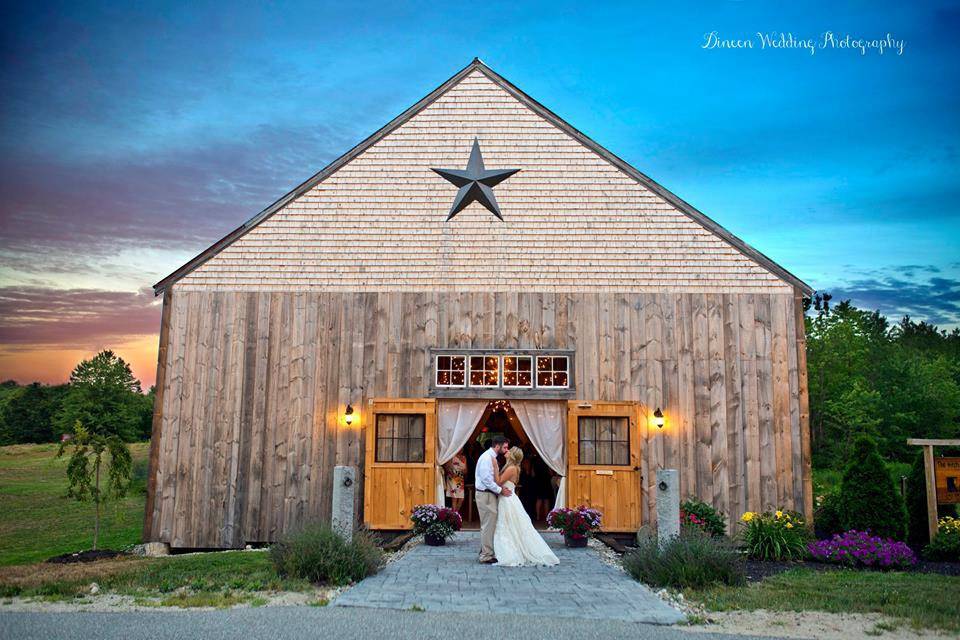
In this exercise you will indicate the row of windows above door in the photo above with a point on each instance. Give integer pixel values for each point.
(508, 371)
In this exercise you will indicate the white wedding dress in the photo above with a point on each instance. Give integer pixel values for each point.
(515, 542)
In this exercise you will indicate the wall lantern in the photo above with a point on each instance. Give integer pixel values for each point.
(658, 419)
(348, 415)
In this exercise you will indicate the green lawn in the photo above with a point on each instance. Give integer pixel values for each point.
(922, 600)
(224, 576)
(40, 522)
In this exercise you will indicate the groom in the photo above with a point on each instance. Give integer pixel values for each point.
(487, 493)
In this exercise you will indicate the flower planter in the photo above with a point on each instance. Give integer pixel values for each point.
(434, 541)
(574, 542)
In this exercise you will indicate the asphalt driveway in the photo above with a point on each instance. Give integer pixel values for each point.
(342, 623)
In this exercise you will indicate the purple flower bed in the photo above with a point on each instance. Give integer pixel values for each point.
(859, 548)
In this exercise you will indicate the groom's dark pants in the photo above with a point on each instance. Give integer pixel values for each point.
(487, 508)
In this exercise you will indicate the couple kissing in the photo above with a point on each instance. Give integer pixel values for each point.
(507, 537)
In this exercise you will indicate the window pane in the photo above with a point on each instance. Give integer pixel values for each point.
(401, 448)
(587, 453)
(386, 426)
(401, 427)
(443, 362)
(543, 363)
(559, 379)
(415, 428)
(524, 364)
(588, 428)
(621, 453)
(443, 378)
(560, 364)
(620, 430)
(384, 449)
(524, 379)
(415, 450)
(544, 378)
(457, 378)
(604, 454)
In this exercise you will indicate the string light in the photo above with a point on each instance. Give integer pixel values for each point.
(499, 406)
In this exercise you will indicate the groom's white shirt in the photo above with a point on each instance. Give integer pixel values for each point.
(483, 476)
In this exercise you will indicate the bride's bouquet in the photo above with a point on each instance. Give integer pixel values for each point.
(435, 523)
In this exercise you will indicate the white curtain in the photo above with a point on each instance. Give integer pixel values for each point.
(456, 420)
(544, 422)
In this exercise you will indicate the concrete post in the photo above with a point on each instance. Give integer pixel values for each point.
(668, 505)
(344, 486)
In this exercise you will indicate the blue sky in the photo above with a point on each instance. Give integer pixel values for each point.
(131, 137)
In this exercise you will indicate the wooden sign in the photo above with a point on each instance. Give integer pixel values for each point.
(948, 480)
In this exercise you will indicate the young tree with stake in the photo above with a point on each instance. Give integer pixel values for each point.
(84, 470)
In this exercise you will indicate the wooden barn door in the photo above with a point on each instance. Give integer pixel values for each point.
(400, 456)
(603, 450)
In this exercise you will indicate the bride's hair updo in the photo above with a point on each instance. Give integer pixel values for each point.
(515, 456)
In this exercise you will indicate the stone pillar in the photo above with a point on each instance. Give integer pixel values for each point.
(668, 505)
(344, 485)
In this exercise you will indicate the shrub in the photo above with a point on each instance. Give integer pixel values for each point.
(434, 520)
(827, 516)
(774, 536)
(869, 500)
(574, 523)
(320, 555)
(699, 514)
(693, 559)
(946, 544)
(860, 549)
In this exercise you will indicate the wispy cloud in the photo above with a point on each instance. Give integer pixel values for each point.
(912, 290)
(182, 199)
(75, 318)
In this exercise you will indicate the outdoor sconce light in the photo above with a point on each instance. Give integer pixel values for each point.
(658, 419)
(348, 415)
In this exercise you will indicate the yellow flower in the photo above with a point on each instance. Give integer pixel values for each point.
(747, 517)
(779, 514)
(789, 526)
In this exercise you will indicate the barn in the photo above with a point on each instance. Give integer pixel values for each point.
(476, 266)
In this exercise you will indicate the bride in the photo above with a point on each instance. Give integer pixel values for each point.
(515, 541)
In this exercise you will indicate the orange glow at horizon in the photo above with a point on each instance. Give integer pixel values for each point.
(52, 365)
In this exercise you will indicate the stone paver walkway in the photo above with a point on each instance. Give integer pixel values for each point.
(450, 579)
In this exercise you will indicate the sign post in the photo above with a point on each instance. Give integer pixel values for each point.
(942, 478)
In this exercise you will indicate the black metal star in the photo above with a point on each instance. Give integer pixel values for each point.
(476, 183)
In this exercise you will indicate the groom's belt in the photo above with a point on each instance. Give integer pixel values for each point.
(487, 491)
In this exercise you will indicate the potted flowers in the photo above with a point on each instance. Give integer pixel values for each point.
(435, 523)
(575, 524)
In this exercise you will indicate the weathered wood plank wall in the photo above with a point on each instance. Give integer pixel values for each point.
(253, 383)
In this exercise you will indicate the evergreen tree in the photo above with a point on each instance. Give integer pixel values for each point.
(869, 498)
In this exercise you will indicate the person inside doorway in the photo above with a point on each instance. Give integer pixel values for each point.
(454, 474)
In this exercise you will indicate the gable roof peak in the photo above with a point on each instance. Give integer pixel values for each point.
(477, 64)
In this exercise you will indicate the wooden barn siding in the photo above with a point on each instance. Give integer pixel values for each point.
(253, 384)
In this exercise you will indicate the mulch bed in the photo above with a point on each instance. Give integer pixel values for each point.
(86, 556)
(757, 570)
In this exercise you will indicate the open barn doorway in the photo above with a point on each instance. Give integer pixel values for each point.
(538, 485)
